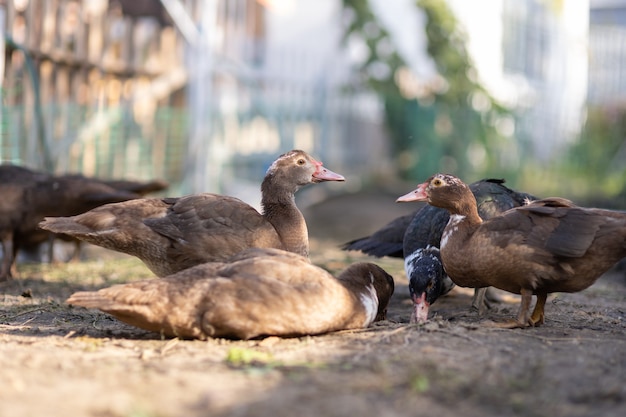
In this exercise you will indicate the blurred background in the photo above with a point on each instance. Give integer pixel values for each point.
(205, 94)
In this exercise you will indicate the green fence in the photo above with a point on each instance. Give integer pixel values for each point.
(110, 144)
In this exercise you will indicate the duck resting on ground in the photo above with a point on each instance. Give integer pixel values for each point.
(546, 246)
(416, 238)
(258, 292)
(172, 234)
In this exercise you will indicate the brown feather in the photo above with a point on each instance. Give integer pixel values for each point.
(546, 246)
(259, 292)
(172, 234)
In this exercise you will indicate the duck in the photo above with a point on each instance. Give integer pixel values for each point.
(138, 187)
(416, 238)
(256, 293)
(174, 233)
(545, 246)
(386, 241)
(15, 183)
(65, 195)
(30, 195)
(125, 187)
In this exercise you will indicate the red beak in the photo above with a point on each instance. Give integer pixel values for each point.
(420, 309)
(324, 174)
(419, 194)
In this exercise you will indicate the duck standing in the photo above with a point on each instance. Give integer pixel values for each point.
(416, 238)
(546, 246)
(172, 234)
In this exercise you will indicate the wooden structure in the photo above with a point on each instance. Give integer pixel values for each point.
(175, 89)
(86, 83)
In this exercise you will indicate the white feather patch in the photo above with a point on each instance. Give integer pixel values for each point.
(369, 299)
(452, 227)
(409, 261)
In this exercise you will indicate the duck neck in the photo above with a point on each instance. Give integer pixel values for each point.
(279, 208)
(469, 210)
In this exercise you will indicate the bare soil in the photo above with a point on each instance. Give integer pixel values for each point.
(61, 361)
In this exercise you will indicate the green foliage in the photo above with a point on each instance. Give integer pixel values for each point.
(238, 356)
(366, 26)
(446, 45)
(595, 163)
(420, 383)
(449, 125)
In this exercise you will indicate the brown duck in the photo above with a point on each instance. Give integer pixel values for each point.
(78, 182)
(28, 196)
(417, 237)
(172, 234)
(259, 292)
(546, 246)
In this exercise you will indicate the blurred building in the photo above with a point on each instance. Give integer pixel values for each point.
(531, 55)
(534, 57)
(607, 43)
(206, 93)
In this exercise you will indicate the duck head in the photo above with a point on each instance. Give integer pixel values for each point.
(373, 285)
(427, 281)
(444, 191)
(295, 169)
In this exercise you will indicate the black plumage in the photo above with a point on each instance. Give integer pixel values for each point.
(386, 241)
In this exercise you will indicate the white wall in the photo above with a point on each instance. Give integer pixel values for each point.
(557, 103)
(302, 37)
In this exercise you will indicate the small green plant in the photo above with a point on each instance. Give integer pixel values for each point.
(420, 383)
(244, 357)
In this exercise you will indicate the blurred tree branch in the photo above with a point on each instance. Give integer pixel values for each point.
(447, 124)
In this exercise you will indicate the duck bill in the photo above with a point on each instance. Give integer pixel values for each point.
(419, 194)
(324, 174)
(420, 309)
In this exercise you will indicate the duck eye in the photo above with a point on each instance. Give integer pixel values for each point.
(437, 182)
(301, 161)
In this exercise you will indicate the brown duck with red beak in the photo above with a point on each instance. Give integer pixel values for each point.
(546, 246)
(172, 234)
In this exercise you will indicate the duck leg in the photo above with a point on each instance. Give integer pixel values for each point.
(7, 258)
(537, 318)
(523, 316)
(13, 266)
(78, 246)
(492, 296)
(76, 253)
(479, 302)
(51, 258)
(483, 299)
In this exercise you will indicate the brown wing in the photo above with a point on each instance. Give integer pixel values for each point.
(210, 227)
(255, 295)
(560, 230)
(110, 225)
(168, 305)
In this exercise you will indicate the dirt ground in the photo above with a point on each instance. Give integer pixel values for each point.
(62, 361)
